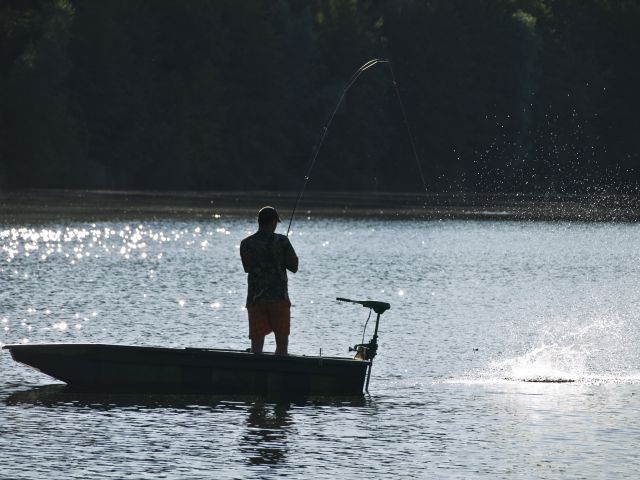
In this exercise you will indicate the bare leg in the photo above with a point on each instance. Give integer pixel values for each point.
(257, 344)
(282, 343)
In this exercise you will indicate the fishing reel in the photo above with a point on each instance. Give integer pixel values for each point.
(368, 351)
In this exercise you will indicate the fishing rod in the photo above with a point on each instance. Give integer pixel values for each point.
(325, 128)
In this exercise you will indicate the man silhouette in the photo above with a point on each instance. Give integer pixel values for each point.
(266, 257)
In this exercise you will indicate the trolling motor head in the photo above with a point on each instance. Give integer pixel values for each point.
(367, 351)
(378, 307)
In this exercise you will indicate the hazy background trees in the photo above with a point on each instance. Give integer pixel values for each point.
(501, 95)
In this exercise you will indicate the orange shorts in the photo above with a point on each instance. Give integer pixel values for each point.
(265, 318)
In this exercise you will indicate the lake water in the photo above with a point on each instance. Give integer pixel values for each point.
(511, 350)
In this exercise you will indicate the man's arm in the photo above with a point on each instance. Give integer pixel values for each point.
(290, 258)
(245, 257)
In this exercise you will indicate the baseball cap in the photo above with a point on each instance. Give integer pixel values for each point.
(268, 214)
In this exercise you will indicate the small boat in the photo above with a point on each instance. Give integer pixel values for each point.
(141, 369)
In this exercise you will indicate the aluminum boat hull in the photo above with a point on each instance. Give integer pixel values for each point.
(122, 368)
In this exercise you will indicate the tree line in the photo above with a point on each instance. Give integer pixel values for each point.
(500, 95)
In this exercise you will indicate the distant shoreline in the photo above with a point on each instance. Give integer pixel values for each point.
(96, 205)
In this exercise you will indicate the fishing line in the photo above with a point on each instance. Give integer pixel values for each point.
(406, 123)
(326, 126)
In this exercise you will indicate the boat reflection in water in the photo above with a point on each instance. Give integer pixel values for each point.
(61, 396)
(264, 432)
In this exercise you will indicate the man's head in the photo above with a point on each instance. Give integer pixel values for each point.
(268, 218)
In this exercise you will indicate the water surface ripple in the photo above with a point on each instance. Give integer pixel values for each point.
(511, 350)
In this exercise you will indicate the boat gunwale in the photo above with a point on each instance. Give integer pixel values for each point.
(179, 350)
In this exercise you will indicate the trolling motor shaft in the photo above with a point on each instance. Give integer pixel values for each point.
(368, 351)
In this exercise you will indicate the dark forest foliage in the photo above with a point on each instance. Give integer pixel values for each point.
(501, 95)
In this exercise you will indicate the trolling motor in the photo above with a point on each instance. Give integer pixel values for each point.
(367, 351)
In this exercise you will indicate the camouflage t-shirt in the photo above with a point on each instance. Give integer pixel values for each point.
(266, 257)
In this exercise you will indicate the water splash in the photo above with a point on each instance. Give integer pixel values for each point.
(547, 363)
(551, 363)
